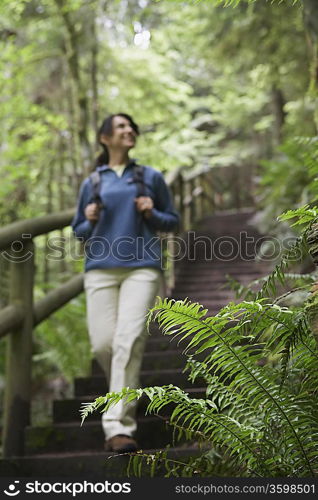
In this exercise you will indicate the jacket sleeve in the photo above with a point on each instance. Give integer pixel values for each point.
(82, 227)
(164, 217)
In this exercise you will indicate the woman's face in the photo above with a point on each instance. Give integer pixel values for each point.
(123, 135)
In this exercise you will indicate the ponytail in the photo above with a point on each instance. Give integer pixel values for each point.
(102, 158)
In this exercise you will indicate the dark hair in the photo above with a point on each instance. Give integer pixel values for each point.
(106, 128)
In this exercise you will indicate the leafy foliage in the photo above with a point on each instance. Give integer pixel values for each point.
(62, 344)
(207, 95)
(305, 214)
(290, 179)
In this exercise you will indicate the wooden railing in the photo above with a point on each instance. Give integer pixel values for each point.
(208, 190)
(203, 192)
(22, 314)
(195, 194)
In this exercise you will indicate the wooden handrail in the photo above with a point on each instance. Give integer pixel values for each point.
(34, 227)
(57, 298)
(12, 316)
(189, 176)
(172, 176)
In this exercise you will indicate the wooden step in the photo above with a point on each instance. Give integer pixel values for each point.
(152, 432)
(88, 465)
(160, 342)
(97, 383)
(155, 360)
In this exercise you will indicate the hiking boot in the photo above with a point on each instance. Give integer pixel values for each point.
(121, 444)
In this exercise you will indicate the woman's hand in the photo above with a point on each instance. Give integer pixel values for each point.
(144, 204)
(92, 212)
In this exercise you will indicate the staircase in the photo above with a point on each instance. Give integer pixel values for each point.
(67, 449)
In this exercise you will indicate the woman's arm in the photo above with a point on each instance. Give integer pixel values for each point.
(83, 227)
(163, 216)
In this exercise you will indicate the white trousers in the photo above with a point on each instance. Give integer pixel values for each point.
(117, 303)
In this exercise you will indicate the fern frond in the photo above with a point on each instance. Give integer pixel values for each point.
(236, 362)
(304, 215)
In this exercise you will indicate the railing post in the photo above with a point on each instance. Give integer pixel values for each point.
(169, 262)
(179, 200)
(187, 205)
(19, 352)
(236, 173)
(193, 205)
(199, 193)
(208, 190)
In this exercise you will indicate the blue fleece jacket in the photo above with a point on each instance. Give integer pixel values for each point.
(122, 237)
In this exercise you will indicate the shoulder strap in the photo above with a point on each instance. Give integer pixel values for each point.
(95, 180)
(139, 179)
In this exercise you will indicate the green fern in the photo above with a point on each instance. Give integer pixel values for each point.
(259, 361)
(304, 214)
(248, 410)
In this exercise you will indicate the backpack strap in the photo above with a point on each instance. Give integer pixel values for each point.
(139, 179)
(96, 181)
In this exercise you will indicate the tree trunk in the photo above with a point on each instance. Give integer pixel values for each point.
(278, 103)
(61, 171)
(49, 210)
(80, 103)
(94, 73)
(311, 26)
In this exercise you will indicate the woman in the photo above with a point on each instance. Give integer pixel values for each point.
(123, 264)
